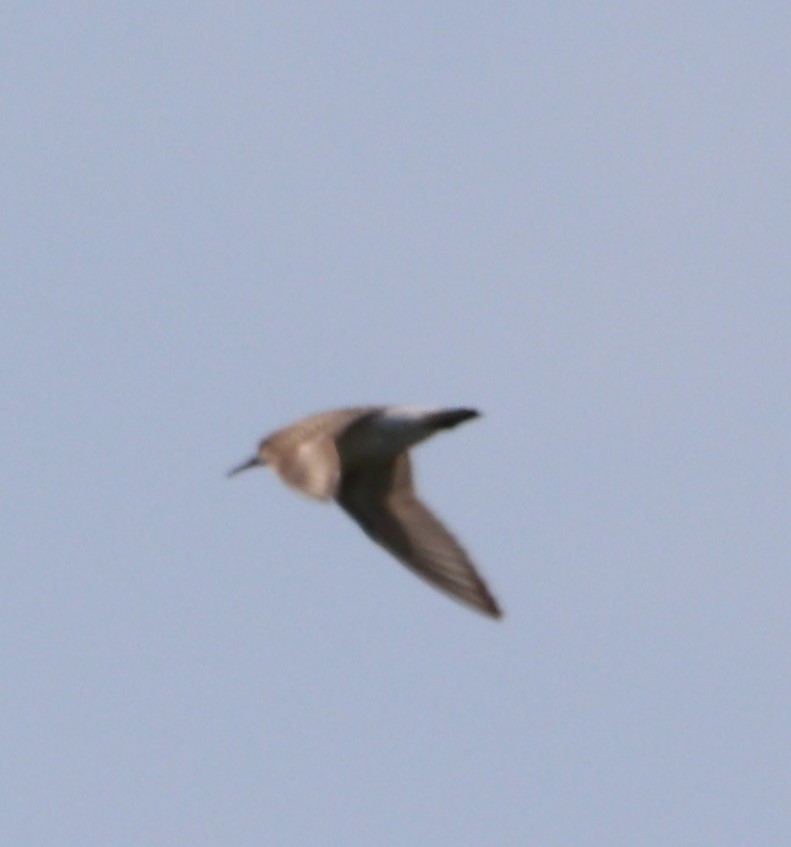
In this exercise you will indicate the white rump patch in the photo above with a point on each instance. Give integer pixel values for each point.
(407, 414)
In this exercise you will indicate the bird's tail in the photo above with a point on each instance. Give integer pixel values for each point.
(448, 418)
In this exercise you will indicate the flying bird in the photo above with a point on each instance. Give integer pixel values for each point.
(360, 457)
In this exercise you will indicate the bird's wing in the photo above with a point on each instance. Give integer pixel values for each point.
(381, 498)
(311, 465)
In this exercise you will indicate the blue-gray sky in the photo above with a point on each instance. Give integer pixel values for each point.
(218, 218)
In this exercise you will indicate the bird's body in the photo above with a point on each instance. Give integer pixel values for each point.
(359, 457)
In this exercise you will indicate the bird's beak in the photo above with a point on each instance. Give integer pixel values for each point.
(245, 466)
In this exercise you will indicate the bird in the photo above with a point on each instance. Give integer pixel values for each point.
(359, 457)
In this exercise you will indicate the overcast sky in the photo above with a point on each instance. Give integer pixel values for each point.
(218, 218)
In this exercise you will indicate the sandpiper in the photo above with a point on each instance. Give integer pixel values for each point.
(359, 456)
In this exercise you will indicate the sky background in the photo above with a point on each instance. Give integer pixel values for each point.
(219, 218)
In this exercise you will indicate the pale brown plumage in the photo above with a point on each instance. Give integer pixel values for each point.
(359, 457)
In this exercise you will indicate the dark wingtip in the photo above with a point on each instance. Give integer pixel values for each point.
(489, 606)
